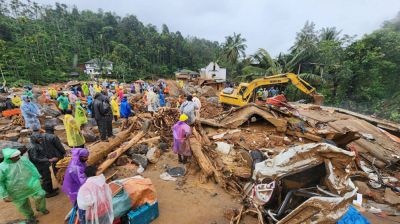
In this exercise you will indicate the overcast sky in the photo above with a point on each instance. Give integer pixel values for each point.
(270, 24)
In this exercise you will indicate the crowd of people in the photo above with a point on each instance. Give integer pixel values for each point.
(26, 173)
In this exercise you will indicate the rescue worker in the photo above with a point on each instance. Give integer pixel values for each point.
(125, 111)
(20, 180)
(80, 114)
(198, 103)
(63, 103)
(74, 175)
(189, 108)
(150, 100)
(114, 108)
(72, 128)
(103, 115)
(40, 158)
(162, 99)
(16, 100)
(95, 198)
(181, 133)
(52, 93)
(54, 147)
(85, 89)
(30, 111)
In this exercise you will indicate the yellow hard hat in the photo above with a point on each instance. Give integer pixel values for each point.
(183, 117)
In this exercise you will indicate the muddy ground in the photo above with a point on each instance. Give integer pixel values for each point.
(184, 201)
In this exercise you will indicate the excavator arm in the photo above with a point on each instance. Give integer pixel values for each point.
(301, 84)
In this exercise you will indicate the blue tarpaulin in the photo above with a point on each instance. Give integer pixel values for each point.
(352, 216)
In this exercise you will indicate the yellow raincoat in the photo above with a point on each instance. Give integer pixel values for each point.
(97, 88)
(114, 107)
(16, 100)
(80, 114)
(74, 135)
(52, 93)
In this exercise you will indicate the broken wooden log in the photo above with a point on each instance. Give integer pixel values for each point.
(113, 156)
(309, 136)
(203, 161)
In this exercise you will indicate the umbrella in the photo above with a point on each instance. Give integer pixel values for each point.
(72, 83)
(139, 81)
(161, 80)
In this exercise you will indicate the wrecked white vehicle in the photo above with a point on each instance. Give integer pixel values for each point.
(304, 184)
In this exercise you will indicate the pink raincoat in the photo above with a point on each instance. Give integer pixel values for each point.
(181, 133)
(95, 198)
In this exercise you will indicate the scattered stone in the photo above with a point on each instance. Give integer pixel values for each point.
(163, 146)
(89, 135)
(59, 127)
(140, 160)
(153, 155)
(122, 160)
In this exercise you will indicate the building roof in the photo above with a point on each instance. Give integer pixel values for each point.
(96, 60)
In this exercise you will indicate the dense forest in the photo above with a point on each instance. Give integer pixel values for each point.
(43, 44)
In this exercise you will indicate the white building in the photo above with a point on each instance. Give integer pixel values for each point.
(93, 67)
(213, 72)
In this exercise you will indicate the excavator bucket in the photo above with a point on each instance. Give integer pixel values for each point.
(318, 99)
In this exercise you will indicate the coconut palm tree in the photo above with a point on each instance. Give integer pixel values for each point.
(234, 48)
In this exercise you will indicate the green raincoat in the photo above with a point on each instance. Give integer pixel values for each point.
(80, 114)
(19, 181)
(63, 102)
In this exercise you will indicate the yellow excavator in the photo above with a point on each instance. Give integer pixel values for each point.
(246, 92)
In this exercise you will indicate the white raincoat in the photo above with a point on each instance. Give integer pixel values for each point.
(95, 198)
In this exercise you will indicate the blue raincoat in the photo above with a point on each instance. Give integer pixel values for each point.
(30, 112)
(162, 99)
(125, 108)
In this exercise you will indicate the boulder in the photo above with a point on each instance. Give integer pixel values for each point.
(122, 160)
(140, 160)
(153, 155)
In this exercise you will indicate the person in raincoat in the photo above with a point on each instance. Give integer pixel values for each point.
(91, 90)
(95, 198)
(150, 100)
(72, 99)
(181, 133)
(30, 111)
(89, 104)
(20, 180)
(16, 100)
(133, 89)
(196, 100)
(85, 89)
(28, 92)
(80, 114)
(52, 93)
(72, 128)
(74, 175)
(189, 108)
(63, 103)
(162, 99)
(41, 158)
(114, 108)
(125, 111)
(120, 93)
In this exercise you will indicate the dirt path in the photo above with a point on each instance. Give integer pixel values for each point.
(183, 201)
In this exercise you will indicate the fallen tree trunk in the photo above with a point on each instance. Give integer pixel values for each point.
(204, 162)
(113, 156)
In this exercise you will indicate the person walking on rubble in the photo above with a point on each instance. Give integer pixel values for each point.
(73, 129)
(75, 177)
(196, 100)
(95, 198)
(181, 133)
(42, 160)
(20, 180)
(54, 147)
(189, 108)
(125, 111)
(30, 111)
(80, 114)
(115, 108)
(103, 115)
(63, 103)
